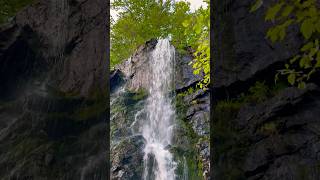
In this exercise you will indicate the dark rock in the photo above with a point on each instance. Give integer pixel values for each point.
(274, 139)
(116, 80)
(244, 50)
(184, 72)
(53, 82)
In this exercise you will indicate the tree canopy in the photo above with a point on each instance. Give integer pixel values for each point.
(140, 20)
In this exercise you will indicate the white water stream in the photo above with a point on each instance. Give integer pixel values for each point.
(157, 129)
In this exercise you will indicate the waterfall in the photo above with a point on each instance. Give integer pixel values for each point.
(157, 129)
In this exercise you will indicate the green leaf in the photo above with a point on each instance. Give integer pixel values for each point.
(287, 10)
(185, 23)
(273, 11)
(312, 12)
(307, 46)
(302, 85)
(292, 78)
(198, 29)
(303, 61)
(307, 28)
(307, 3)
(313, 51)
(282, 33)
(318, 26)
(273, 34)
(318, 60)
(256, 5)
(294, 59)
(308, 63)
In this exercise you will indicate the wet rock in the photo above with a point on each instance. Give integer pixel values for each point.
(127, 158)
(116, 80)
(134, 69)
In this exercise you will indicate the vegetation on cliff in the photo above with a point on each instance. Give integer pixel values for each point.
(305, 15)
(141, 20)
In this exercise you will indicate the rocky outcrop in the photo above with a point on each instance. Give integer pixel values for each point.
(135, 68)
(128, 152)
(244, 50)
(53, 87)
(270, 138)
(191, 134)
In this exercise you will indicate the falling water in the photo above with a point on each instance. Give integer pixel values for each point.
(157, 130)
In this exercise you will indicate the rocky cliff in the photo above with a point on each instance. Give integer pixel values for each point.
(260, 130)
(191, 135)
(52, 95)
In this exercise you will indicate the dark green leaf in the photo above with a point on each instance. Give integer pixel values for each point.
(256, 5)
(307, 28)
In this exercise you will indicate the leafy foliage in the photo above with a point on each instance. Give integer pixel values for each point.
(11, 7)
(141, 20)
(306, 15)
(197, 30)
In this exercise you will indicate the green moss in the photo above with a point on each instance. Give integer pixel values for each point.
(140, 95)
(269, 128)
(227, 140)
(192, 157)
(89, 112)
(10, 8)
(231, 144)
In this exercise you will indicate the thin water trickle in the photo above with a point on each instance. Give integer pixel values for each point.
(158, 160)
(185, 169)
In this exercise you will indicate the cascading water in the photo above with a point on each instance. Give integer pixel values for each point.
(157, 129)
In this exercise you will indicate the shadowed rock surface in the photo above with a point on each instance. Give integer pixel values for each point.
(260, 130)
(52, 94)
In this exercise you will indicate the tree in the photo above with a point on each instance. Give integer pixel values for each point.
(197, 31)
(141, 20)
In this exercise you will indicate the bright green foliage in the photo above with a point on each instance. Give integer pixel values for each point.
(142, 20)
(306, 15)
(8, 8)
(197, 30)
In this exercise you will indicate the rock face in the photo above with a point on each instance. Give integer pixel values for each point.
(270, 139)
(191, 135)
(53, 83)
